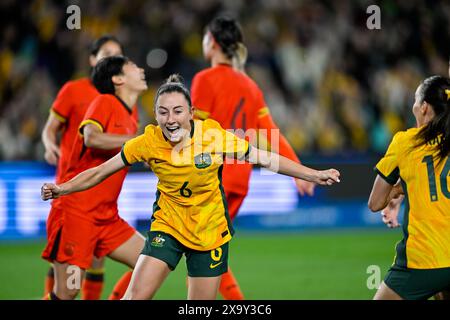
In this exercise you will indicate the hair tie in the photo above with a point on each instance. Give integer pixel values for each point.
(447, 92)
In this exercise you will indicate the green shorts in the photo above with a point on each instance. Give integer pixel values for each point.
(164, 247)
(417, 284)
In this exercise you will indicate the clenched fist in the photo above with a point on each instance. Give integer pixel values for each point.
(50, 191)
(327, 177)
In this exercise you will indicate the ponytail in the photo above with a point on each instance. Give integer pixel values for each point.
(240, 57)
(435, 91)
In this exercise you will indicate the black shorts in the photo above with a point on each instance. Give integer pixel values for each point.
(417, 284)
(164, 247)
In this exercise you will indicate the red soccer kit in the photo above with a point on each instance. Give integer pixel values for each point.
(235, 101)
(69, 108)
(91, 224)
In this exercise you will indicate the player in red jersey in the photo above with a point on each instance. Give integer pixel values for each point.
(90, 224)
(230, 97)
(65, 117)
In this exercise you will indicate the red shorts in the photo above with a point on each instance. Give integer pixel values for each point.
(234, 201)
(75, 240)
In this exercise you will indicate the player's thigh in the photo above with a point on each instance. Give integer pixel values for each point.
(203, 288)
(205, 269)
(386, 293)
(67, 280)
(129, 251)
(148, 275)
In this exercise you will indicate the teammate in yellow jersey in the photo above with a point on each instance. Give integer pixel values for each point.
(420, 158)
(190, 214)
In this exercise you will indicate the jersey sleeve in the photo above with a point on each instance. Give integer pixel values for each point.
(388, 166)
(98, 114)
(138, 149)
(62, 106)
(202, 96)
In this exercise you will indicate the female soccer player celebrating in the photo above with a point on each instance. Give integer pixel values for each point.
(226, 94)
(190, 214)
(420, 158)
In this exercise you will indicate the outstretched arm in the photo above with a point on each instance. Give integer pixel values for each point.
(283, 148)
(283, 165)
(85, 180)
(95, 138)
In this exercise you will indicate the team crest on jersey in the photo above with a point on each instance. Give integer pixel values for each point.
(202, 160)
(158, 241)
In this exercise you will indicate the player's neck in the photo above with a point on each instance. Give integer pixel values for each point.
(130, 98)
(220, 58)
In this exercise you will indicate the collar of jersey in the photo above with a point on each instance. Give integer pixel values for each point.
(223, 64)
(124, 104)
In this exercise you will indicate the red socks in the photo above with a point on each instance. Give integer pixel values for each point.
(92, 284)
(121, 286)
(229, 288)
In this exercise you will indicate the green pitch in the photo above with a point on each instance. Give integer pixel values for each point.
(307, 265)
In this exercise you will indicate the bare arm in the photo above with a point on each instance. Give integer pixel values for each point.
(85, 180)
(95, 138)
(284, 148)
(382, 193)
(49, 134)
(283, 165)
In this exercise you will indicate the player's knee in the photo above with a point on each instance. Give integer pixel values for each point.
(137, 294)
(67, 294)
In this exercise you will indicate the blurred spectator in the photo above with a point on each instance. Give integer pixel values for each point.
(333, 86)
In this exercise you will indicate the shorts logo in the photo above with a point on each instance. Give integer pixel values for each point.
(213, 265)
(216, 255)
(69, 249)
(202, 160)
(158, 241)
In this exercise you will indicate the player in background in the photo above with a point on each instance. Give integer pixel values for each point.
(419, 157)
(390, 213)
(90, 223)
(226, 94)
(64, 119)
(190, 214)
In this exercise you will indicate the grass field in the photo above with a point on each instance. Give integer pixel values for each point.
(308, 265)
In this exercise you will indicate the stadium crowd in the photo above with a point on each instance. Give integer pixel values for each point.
(333, 85)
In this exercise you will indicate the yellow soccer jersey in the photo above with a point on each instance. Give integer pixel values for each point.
(190, 203)
(425, 180)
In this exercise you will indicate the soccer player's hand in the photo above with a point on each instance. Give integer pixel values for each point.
(390, 213)
(50, 191)
(327, 177)
(305, 187)
(51, 154)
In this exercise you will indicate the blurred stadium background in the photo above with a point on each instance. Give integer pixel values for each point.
(338, 91)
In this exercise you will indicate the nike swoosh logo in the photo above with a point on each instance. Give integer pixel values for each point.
(212, 266)
(159, 161)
